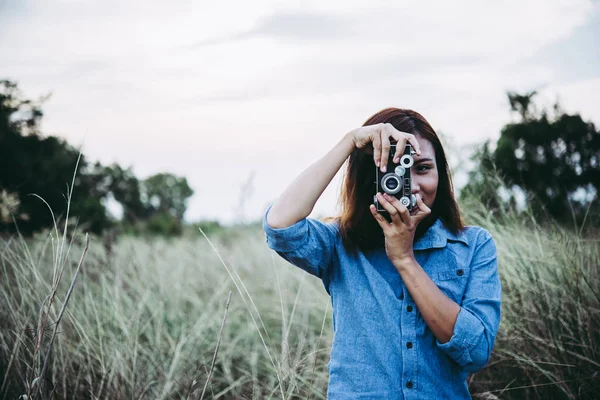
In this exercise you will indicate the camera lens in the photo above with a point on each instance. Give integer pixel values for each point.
(391, 183)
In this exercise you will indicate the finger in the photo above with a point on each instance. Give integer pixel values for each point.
(412, 139)
(400, 144)
(403, 211)
(394, 202)
(386, 131)
(389, 207)
(423, 209)
(379, 218)
(375, 139)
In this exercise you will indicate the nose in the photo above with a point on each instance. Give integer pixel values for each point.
(415, 187)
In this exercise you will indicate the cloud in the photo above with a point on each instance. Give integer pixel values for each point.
(575, 57)
(295, 26)
(305, 26)
(182, 85)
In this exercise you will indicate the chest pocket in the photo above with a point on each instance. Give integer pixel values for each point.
(452, 282)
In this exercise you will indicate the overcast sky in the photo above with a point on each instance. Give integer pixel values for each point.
(228, 93)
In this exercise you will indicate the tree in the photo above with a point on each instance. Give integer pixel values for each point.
(165, 197)
(523, 104)
(483, 184)
(554, 160)
(35, 170)
(125, 188)
(32, 165)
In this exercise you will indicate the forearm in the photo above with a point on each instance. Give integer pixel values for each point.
(439, 312)
(299, 198)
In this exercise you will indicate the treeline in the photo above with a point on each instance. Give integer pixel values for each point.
(38, 178)
(547, 163)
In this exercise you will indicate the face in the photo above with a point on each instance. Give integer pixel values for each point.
(424, 173)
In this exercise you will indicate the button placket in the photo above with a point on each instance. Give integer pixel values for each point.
(409, 355)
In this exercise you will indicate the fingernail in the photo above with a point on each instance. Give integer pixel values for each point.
(384, 168)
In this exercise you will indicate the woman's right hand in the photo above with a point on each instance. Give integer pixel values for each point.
(379, 136)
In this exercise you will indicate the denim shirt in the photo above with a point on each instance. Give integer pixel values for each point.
(382, 348)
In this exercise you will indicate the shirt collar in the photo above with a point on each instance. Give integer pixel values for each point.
(437, 236)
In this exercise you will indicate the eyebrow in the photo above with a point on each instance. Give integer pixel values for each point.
(422, 160)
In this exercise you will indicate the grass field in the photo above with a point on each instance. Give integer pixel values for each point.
(145, 317)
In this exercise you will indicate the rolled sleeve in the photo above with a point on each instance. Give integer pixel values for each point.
(478, 320)
(286, 239)
(308, 244)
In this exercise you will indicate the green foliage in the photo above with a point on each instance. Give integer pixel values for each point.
(31, 166)
(554, 161)
(125, 188)
(34, 167)
(162, 223)
(208, 227)
(166, 193)
(483, 184)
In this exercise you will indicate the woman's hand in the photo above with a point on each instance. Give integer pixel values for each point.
(400, 233)
(379, 135)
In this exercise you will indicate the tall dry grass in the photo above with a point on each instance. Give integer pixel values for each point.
(145, 323)
(144, 319)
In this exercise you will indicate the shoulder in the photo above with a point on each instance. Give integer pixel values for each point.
(331, 223)
(484, 254)
(476, 236)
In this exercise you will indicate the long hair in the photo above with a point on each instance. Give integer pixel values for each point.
(358, 228)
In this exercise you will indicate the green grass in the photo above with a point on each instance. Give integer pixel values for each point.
(145, 317)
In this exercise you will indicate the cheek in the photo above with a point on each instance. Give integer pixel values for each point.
(429, 184)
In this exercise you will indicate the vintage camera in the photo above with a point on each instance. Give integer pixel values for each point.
(396, 181)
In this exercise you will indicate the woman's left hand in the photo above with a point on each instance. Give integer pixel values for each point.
(400, 233)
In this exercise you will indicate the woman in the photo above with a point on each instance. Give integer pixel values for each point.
(416, 295)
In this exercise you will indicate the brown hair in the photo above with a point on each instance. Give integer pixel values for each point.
(358, 228)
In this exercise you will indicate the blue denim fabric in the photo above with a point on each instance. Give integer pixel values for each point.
(374, 316)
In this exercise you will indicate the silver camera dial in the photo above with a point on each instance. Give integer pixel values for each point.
(399, 170)
(405, 201)
(406, 161)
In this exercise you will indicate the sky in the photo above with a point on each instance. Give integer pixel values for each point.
(241, 96)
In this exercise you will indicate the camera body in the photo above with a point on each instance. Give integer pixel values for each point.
(397, 180)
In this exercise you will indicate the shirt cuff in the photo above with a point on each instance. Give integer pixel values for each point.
(286, 239)
(467, 331)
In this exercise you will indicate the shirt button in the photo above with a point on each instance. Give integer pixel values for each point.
(460, 272)
(409, 345)
(409, 308)
(409, 384)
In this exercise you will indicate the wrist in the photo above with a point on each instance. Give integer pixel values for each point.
(404, 263)
(350, 138)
